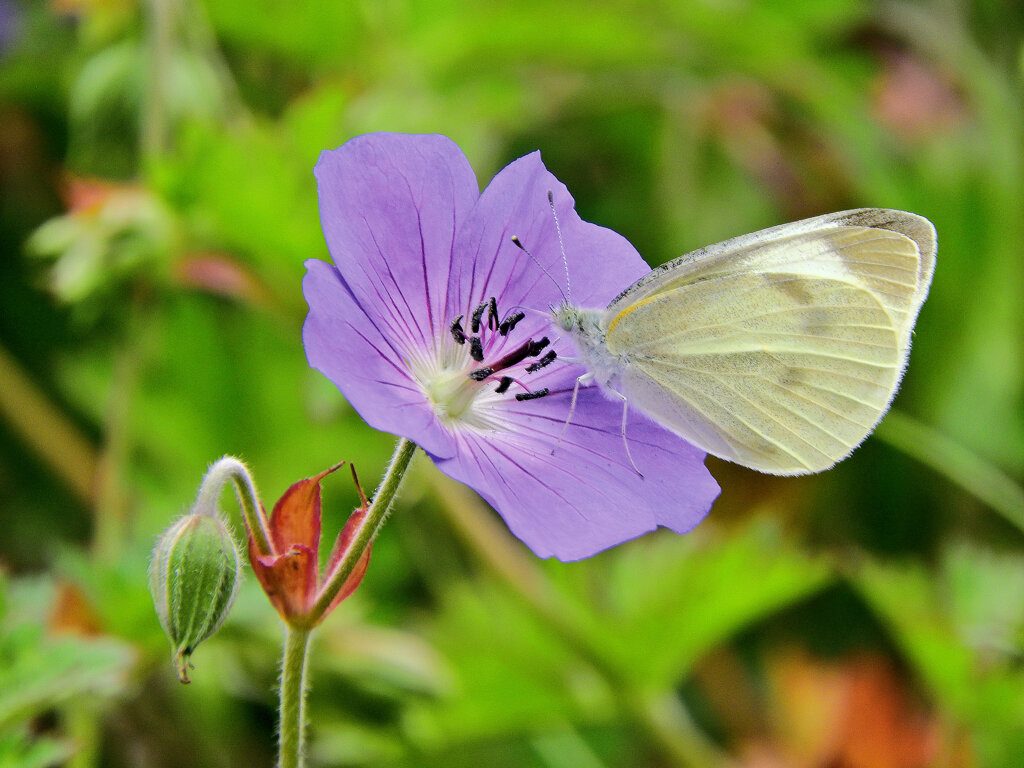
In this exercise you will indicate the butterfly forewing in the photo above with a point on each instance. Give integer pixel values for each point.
(890, 253)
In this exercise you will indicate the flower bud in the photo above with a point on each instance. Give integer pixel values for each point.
(193, 576)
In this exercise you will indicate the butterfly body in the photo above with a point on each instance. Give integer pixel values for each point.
(589, 332)
(780, 350)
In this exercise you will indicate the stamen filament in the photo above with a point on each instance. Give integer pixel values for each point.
(529, 349)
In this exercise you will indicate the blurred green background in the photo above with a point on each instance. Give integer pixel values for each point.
(156, 205)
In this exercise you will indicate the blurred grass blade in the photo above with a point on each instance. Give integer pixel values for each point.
(957, 463)
(45, 429)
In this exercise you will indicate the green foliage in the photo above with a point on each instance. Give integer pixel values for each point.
(38, 671)
(43, 673)
(643, 616)
(964, 634)
(17, 750)
(156, 208)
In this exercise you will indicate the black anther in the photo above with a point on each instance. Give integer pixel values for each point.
(537, 346)
(474, 325)
(548, 359)
(457, 333)
(531, 395)
(492, 314)
(510, 322)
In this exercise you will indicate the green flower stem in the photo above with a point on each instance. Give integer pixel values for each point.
(293, 698)
(372, 523)
(230, 468)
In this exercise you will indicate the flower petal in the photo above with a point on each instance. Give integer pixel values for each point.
(289, 579)
(415, 246)
(343, 343)
(295, 520)
(341, 545)
(390, 206)
(601, 262)
(585, 496)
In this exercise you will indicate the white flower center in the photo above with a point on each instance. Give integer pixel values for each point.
(455, 397)
(468, 376)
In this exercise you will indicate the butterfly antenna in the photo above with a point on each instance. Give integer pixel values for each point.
(561, 245)
(518, 244)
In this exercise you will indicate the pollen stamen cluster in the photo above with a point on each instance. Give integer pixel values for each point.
(502, 327)
(458, 380)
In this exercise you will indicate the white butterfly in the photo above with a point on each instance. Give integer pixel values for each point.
(780, 350)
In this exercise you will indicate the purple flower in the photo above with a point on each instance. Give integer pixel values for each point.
(435, 326)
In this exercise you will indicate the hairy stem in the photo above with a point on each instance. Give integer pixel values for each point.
(230, 468)
(293, 698)
(293, 666)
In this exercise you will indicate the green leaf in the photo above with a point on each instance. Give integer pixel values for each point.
(649, 610)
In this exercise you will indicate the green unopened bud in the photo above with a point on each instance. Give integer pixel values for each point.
(194, 575)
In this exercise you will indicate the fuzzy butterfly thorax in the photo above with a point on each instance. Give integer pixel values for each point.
(587, 328)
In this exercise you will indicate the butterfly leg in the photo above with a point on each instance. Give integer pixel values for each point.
(625, 442)
(572, 407)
